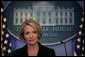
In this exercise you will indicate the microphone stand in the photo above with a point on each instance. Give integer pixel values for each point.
(64, 47)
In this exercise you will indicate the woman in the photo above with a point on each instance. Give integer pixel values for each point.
(31, 32)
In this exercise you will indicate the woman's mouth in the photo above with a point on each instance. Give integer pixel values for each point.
(31, 40)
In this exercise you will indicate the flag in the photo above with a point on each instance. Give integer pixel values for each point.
(5, 36)
(79, 44)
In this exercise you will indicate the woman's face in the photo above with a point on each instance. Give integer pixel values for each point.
(30, 35)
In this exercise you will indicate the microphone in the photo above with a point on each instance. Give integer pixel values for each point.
(64, 47)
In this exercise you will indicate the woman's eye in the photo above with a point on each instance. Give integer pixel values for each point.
(27, 33)
(34, 32)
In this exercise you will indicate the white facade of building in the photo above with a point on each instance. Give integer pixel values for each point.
(46, 15)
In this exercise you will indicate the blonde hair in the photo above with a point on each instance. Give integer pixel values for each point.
(32, 23)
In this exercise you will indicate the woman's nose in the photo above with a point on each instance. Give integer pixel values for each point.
(31, 35)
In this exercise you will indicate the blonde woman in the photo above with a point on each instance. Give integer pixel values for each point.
(31, 32)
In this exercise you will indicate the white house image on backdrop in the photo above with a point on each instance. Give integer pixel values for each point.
(45, 13)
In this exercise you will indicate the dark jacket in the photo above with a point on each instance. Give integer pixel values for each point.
(43, 51)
